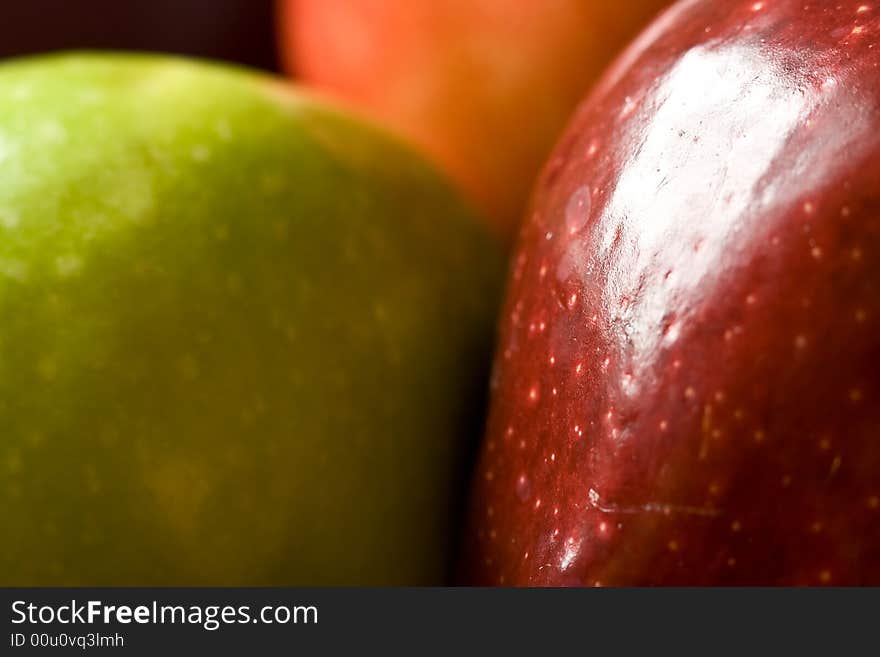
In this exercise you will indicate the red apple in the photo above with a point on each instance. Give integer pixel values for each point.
(687, 390)
(485, 86)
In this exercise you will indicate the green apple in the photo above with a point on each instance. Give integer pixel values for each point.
(242, 335)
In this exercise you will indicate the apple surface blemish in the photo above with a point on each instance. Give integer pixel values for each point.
(9, 219)
(223, 129)
(533, 394)
(522, 488)
(200, 153)
(68, 265)
(14, 269)
(52, 131)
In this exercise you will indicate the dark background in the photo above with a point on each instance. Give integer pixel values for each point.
(235, 30)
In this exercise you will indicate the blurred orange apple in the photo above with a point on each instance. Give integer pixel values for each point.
(485, 86)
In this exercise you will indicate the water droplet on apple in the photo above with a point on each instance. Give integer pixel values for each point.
(577, 212)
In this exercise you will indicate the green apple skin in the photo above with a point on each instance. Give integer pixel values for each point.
(242, 335)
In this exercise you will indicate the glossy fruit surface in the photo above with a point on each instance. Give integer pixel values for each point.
(485, 86)
(688, 384)
(241, 333)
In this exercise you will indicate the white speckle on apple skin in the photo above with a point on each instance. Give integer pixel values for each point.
(9, 219)
(14, 269)
(52, 132)
(201, 153)
(68, 265)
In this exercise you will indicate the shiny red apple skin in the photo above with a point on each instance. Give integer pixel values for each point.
(687, 388)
